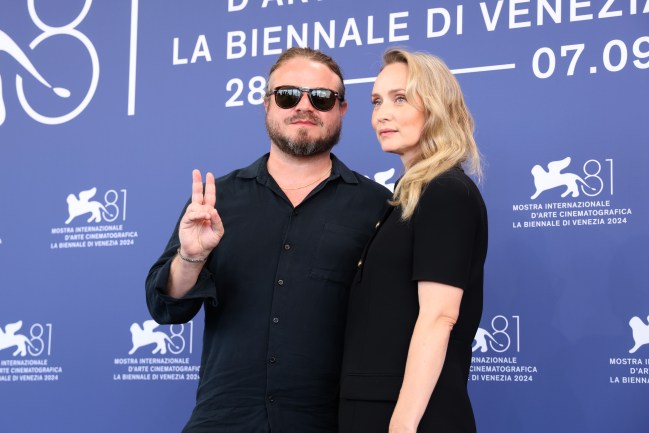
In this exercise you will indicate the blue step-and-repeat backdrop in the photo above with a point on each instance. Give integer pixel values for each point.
(107, 106)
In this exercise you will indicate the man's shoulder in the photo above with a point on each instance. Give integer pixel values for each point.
(249, 172)
(361, 182)
(370, 186)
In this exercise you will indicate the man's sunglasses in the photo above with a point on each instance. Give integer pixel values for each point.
(321, 99)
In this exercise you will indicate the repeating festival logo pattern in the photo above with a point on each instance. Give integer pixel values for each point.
(94, 222)
(627, 369)
(564, 198)
(25, 352)
(158, 353)
(497, 353)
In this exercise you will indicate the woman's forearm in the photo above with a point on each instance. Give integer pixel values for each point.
(425, 360)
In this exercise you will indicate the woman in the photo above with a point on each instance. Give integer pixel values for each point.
(416, 302)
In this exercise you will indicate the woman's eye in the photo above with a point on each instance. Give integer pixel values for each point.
(376, 102)
(400, 99)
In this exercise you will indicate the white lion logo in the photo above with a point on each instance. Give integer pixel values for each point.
(640, 333)
(9, 338)
(553, 178)
(383, 176)
(480, 339)
(83, 205)
(145, 335)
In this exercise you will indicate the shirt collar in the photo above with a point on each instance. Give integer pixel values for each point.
(259, 170)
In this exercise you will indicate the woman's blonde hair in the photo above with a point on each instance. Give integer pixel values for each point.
(447, 136)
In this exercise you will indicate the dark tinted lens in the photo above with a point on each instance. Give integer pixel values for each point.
(322, 99)
(287, 98)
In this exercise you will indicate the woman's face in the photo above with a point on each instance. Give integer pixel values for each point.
(398, 124)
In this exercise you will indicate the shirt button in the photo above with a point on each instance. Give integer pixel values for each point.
(271, 399)
(360, 263)
(275, 320)
(272, 360)
(287, 246)
(280, 282)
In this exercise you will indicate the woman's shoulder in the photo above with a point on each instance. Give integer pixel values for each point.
(452, 195)
(454, 183)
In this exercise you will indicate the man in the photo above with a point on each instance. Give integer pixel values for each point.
(270, 258)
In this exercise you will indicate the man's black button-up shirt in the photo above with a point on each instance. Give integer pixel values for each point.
(275, 295)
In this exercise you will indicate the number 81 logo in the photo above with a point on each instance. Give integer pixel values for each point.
(50, 32)
(502, 336)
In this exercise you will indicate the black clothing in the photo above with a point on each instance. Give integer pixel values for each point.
(275, 293)
(445, 241)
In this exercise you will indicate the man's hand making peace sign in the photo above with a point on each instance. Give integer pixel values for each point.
(200, 228)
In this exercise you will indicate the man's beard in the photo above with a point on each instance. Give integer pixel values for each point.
(302, 145)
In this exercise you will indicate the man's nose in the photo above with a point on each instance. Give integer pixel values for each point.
(305, 103)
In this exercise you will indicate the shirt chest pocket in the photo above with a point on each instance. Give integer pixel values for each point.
(337, 253)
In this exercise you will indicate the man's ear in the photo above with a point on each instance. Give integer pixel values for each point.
(343, 107)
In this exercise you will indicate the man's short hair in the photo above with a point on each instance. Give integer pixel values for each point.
(309, 54)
